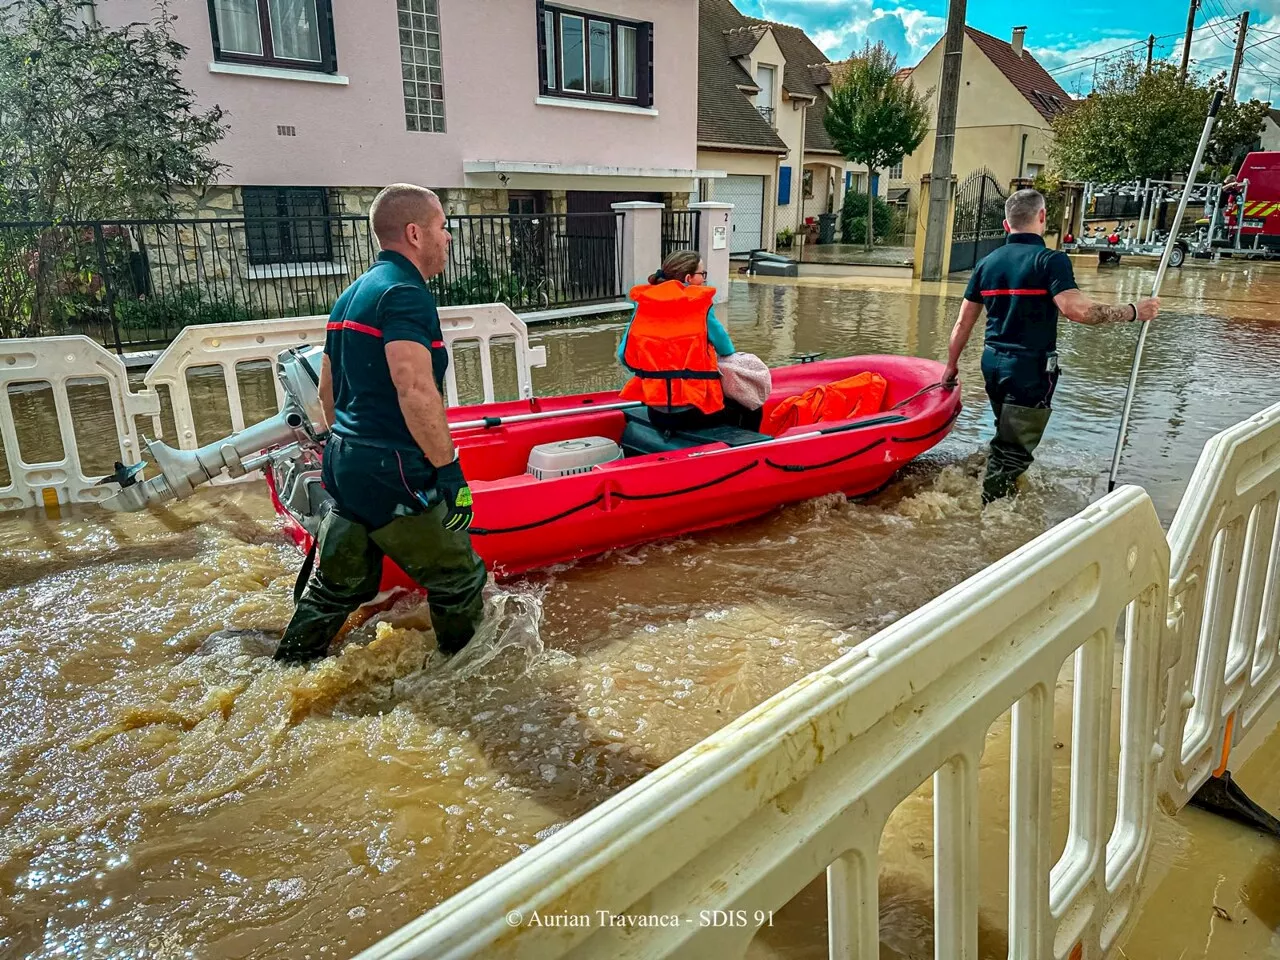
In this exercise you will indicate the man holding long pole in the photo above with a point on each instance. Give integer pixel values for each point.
(1023, 287)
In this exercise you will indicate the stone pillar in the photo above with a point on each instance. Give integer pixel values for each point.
(922, 220)
(715, 227)
(641, 241)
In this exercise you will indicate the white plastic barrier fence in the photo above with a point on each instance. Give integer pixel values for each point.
(58, 363)
(806, 782)
(489, 325)
(1224, 646)
(226, 346)
(61, 361)
(230, 344)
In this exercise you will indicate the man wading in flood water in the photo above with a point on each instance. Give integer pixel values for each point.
(1023, 287)
(389, 463)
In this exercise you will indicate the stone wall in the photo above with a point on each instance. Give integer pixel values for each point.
(357, 200)
(199, 269)
(212, 202)
(469, 201)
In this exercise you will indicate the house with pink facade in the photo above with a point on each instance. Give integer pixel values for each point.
(503, 106)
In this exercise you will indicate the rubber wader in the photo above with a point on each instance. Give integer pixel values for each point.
(1018, 433)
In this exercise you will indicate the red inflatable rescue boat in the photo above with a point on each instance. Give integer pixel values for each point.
(560, 478)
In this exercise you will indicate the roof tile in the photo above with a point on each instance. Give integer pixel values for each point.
(725, 115)
(740, 41)
(1025, 73)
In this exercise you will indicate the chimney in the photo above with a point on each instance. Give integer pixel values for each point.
(1019, 34)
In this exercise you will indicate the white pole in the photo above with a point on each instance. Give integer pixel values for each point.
(543, 415)
(1155, 287)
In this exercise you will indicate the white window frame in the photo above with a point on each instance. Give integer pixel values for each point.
(633, 76)
(586, 80)
(591, 60)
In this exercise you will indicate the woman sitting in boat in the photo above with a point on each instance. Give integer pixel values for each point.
(672, 346)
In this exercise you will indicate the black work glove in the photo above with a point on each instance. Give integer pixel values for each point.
(455, 493)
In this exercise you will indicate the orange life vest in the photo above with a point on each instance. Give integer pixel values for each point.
(668, 351)
(854, 396)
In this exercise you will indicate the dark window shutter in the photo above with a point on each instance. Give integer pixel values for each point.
(644, 64)
(540, 31)
(784, 186)
(328, 46)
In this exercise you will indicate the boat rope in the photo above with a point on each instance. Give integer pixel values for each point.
(919, 393)
(491, 531)
(932, 433)
(694, 489)
(804, 468)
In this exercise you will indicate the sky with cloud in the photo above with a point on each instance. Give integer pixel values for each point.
(1065, 37)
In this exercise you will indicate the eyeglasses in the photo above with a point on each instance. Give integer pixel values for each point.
(699, 273)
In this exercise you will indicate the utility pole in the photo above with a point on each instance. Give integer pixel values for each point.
(1186, 43)
(1151, 49)
(1235, 64)
(944, 144)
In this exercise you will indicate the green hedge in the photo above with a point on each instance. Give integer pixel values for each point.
(853, 218)
(182, 308)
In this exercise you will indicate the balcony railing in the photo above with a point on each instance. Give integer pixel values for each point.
(767, 113)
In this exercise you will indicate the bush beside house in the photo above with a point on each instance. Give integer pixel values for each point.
(853, 219)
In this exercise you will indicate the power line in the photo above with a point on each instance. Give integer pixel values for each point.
(1265, 56)
(1101, 56)
(1260, 61)
(1215, 25)
(1264, 63)
(1107, 53)
(1269, 60)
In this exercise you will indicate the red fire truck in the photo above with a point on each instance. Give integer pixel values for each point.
(1261, 224)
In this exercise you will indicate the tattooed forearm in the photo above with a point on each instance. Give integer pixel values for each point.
(1103, 313)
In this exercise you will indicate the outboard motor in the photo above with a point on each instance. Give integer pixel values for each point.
(300, 423)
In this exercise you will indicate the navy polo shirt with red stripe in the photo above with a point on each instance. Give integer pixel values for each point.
(1017, 284)
(390, 301)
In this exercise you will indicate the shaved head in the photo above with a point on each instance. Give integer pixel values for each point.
(399, 205)
(1022, 210)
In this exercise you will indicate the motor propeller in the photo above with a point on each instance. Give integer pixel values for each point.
(124, 476)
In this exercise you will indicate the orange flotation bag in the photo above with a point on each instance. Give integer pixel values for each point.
(668, 351)
(855, 396)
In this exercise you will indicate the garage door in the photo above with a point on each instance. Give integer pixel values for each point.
(747, 196)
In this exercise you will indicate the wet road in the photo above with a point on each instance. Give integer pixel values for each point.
(161, 798)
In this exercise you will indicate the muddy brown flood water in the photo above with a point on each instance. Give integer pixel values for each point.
(163, 798)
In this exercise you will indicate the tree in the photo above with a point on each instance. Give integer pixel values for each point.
(872, 117)
(1137, 125)
(1237, 131)
(95, 122)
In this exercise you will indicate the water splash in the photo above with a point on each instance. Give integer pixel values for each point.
(512, 621)
(954, 492)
